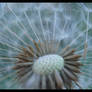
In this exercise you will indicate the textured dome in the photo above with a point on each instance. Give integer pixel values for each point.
(48, 64)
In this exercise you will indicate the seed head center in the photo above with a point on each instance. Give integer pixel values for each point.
(48, 64)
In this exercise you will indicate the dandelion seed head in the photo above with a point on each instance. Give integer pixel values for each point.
(45, 46)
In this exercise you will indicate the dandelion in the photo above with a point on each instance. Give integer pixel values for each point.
(45, 46)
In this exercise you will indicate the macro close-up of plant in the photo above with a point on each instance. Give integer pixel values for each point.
(45, 45)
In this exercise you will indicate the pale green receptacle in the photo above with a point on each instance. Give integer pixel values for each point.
(48, 64)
